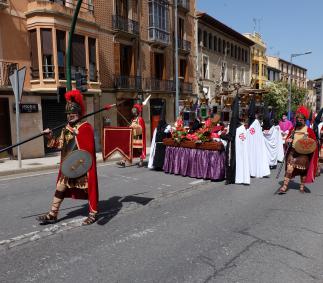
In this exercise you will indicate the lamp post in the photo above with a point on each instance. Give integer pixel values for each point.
(290, 80)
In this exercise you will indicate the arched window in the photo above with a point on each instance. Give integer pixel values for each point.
(199, 36)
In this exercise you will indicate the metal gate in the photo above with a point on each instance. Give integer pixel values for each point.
(53, 115)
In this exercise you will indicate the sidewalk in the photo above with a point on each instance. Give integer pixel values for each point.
(10, 167)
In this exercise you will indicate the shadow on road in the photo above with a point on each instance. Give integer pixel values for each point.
(108, 209)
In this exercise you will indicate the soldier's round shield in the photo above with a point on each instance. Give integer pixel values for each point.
(305, 146)
(76, 164)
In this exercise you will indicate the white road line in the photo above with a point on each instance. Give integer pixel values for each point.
(196, 182)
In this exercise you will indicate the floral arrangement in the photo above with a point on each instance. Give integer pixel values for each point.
(204, 134)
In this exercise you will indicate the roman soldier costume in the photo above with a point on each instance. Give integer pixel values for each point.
(76, 136)
(139, 136)
(302, 153)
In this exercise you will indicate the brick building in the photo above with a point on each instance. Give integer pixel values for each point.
(34, 34)
(136, 51)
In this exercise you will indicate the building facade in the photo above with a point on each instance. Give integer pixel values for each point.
(273, 74)
(318, 83)
(310, 98)
(137, 56)
(34, 34)
(259, 60)
(223, 59)
(298, 73)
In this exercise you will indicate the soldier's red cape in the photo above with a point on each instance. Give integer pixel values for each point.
(311, 172)
(85, 141)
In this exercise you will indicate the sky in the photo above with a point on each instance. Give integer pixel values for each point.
(286, 26)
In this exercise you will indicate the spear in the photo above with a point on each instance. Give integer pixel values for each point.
(106, 107)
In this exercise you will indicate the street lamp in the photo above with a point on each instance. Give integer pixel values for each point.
(290, 80)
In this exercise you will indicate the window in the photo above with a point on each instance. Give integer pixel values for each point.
(125, 60)
(243, 76)
(61, 52)
(182, 69)
(92, 58)
(34, 54)
(228, 49)
(180, 28)
(158, 21)
(242, 55)
(205, 39)
(78, 55)
(235, 52)
(232, 50)
(205, 67)
(219, 45)
(210, 41)
(122, 8)
(199, 36)
(159, 66)
(239, 53)
(47, 53)
(234, 73)
(224, 72)
(215, 43)
(223, 47)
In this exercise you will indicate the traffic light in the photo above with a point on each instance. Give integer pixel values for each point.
(81, 82)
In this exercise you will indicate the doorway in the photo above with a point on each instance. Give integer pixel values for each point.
(5, 133)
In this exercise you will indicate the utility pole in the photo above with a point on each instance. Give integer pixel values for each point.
(176, 64)
(68, 55)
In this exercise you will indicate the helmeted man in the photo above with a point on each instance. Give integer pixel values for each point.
(298, 164)
(75, 135)
(139, 136)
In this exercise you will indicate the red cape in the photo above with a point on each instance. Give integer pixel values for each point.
(85, 141)
(310, 177)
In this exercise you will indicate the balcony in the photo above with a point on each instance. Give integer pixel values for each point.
(158, 37)
(184, 5)
(125, 25)
(186, 87)
(152, 84)
(128, 82)
(6, 69)
(4, 4)
(60, 7)
(184, 45)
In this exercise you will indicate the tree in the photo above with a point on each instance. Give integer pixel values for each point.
(277, 96)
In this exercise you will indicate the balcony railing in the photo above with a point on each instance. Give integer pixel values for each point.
(152, 84)
(184, 45)
(125, 24)
(158, 35)
(128, 82)
(185, 4)
(85, 7)
(6, 69)
(3, 4)
(186, 87)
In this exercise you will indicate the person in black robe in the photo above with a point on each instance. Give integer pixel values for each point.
(230, 152)
(319, 138)
(160, 148)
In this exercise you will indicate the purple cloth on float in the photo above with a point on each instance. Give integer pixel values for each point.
(195, 163)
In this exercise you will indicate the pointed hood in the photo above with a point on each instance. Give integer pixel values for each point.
(252, 111)
(234, 122)
(266, 119)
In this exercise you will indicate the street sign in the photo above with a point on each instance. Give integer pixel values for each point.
(17, 85)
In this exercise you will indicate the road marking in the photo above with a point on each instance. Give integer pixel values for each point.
(196, 182)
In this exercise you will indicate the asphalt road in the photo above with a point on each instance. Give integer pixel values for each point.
(155, 227)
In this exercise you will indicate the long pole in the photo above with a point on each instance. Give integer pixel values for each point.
(68, 55)
(54, 129)
(290, 88)
(17, 117)
(176, 64)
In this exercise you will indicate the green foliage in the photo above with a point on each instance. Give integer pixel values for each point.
(277, 96)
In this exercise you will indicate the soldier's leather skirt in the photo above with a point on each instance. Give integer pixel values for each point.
(300, 162)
